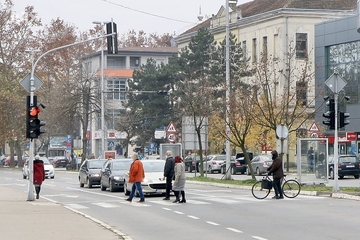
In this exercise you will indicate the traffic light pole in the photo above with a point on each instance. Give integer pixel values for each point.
(31, 195)
(336, 142)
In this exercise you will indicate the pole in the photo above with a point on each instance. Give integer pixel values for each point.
(102, 94)
(336, 144)
(227, 77)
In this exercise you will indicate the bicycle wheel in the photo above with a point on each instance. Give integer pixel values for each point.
(291, 188)
(258, 192)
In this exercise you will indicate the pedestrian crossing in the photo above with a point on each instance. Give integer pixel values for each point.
(199, 200)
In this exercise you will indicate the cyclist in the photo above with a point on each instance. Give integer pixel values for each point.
(278, 173)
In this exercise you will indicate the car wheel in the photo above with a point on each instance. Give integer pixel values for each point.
(24, 177)
(233, 171)
(356, 176)
(52, 177)
(223, 170)
(126, 192)
(111, 186)
(341, 177)
(331, 174)
(102, 186)
(88, 183)
(258, 172)
(247, 171)
(81, 184)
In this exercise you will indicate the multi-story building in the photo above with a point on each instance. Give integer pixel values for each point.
(337, 47)
(117, 70)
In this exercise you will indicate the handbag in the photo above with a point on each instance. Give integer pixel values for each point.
(266, 184)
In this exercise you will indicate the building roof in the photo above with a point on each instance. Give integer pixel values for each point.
(256, 7)
(122, 73)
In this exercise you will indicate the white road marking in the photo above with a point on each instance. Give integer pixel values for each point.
(234, 230)
(212, 223)
(178, 212)
(259, 238)
(167, 209)
(76, 206)
(193, 217)
(105, 205)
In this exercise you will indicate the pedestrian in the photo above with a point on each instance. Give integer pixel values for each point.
(136, 176)
(311, 158)
(277, 170)
(168, 173)
(39, 174)
(179, 182)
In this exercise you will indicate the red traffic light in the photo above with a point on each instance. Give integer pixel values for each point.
(34, 111)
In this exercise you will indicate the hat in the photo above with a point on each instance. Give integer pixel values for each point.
(37, 157)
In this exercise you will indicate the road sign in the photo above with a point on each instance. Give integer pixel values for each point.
(111, 143)
(282, 131)
(171, 137)
(314, 135)
(171, 128)
(335, 82)
(26, 82)
(314, 128)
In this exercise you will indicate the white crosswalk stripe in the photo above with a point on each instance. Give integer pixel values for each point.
(106, 205)
(76, 206)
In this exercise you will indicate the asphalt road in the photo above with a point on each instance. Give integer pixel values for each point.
(210, 212)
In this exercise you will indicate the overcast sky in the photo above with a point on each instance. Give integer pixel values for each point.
(156, 16)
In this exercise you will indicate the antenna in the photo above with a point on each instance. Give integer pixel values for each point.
(200, 17)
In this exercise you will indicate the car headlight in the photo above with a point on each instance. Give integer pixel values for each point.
(119, 178)
(146, 180)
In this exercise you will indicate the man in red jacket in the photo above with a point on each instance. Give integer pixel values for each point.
(277, 170)
(39, 174)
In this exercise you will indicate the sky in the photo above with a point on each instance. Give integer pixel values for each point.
(156, 16)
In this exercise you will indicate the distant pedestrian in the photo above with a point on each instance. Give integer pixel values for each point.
(311, 159)
(168, 173)
(179, 182)
(223, 152)
(39, 175)
(136, 176)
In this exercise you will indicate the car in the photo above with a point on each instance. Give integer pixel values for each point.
(192, 163)
(60, 161)
(89, 172)
(236, 166)
(153, 182)
(112, 174)
(48, 167)
(149, 157)
(348, 165)
(260, 164)
(214, 164)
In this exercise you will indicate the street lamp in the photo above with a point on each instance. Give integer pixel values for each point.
(102, 89)
(227, 77)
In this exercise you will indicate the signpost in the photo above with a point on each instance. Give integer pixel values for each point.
(282, 132)
(171, 132)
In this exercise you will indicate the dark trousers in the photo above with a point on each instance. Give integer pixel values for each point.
(277, 187)
(168, 186)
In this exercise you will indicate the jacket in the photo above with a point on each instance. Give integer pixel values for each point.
(179, 171)
(137, 173)
(39, 172)
(276, 168)
(169, 167)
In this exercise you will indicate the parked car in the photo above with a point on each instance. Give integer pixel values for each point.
(48, 167)
(236, 166)
(150, 157)
(112, 174)
(153, 182)
(260, 164)
(89, 172)
(192, 163)
(347, 165)
(60, 161)
(214, 164)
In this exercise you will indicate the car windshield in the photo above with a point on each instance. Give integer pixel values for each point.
(348, 159)
(121, 165)
(45, 161)
(96, 164)
(154, 166)
(221, 157)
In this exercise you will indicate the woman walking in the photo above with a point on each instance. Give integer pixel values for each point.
(180, 178)
(39, 174)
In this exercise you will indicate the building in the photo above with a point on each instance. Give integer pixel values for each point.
(337, 47)
(118, 69)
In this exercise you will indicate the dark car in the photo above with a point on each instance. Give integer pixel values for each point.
(60, 162)
(112, 174)
(192, 163)
(348, 165)
(236, 166)
(89, 172)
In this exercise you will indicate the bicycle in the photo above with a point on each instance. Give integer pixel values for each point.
(290, 188)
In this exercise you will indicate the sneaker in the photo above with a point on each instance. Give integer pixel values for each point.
(275, 197)
(128, 199)
(37, 196)
(142, 200)
(167, 198)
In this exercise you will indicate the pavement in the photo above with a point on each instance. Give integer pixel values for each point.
(42, 219)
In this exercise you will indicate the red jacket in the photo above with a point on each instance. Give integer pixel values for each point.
(39, 172)
(136, 173)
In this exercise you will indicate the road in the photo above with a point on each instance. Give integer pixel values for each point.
(210, 212)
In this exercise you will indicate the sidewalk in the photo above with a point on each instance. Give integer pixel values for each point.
(41, 219)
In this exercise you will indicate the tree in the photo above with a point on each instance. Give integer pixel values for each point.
(141, 39)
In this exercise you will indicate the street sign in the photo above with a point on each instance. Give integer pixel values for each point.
(282, 131)
(171, 137)
(314, 135)
(335, 82)
(111, 143)
(26, 82)
(171, 128)
(314, 128)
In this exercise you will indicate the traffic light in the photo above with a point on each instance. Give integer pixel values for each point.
(33, 123)
(343, 120)
(112, 43)
(330, 114)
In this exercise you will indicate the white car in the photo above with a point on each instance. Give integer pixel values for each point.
(153, 182)
(214, 164)
(48, 167)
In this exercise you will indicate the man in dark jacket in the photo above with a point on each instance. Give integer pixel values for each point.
(277, 170)
(169, 173)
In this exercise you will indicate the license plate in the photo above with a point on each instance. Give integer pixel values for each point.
(350, 166)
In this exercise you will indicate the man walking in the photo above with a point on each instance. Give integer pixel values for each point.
(136, 176)
(168, 173)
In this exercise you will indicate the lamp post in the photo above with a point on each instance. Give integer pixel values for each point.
(102, 90)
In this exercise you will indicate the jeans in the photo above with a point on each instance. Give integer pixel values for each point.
(136, 185)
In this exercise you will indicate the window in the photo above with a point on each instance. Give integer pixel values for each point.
(112, 118)
(254, 51)
(134, 62)
(301, 93)
(116, 62)
(301, 45)
(244, 50)
(116, 89)
(265, 46)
